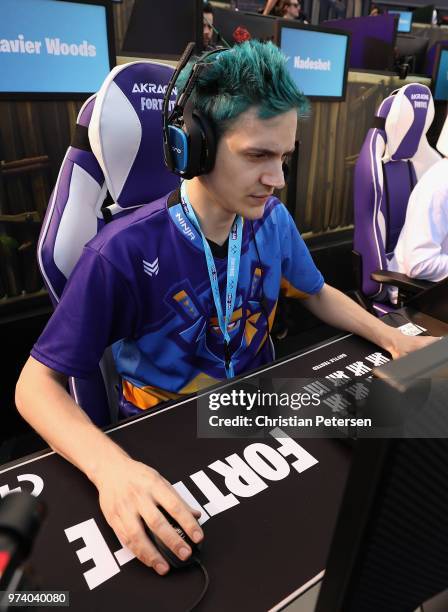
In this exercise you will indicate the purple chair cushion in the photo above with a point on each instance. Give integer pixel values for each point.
(125, 133)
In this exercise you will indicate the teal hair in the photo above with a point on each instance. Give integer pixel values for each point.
(251, 74)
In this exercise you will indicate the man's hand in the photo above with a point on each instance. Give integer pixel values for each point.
(129, 493)
(338, 310)
(400, 345)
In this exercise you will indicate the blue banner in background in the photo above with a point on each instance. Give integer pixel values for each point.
(316, 60)
(52, 46)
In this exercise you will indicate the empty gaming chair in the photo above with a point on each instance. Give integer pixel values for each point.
(114, 164)
(394, 156)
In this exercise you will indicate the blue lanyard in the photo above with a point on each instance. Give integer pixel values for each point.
(233, 266)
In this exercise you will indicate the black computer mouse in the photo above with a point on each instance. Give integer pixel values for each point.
(166, 552)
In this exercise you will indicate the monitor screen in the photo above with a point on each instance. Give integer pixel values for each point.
(404, 20)
(440, 82)
(317, 59)
(163, 31)
(54, 48)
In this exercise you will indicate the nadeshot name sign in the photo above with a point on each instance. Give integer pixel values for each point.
(315, 60)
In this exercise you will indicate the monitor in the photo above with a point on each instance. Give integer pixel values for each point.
(404, 20)
(372, 41)
(412, 50)
(237, 26)
(317, 59)
(440, 75)
(163, 29)
(54, 48)
(423, 14)
(390, 545)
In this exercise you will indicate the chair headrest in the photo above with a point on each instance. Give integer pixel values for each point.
(442, 143)
(85, 114)
(125, 133)
(410, 114)
(384, 107)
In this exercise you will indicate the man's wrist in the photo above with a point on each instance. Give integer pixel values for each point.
(387, 337)
(104, 460)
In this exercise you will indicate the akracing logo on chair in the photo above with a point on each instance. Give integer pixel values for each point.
(152, 269)
(151, 88)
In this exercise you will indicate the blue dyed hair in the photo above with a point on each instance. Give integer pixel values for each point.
(252, 74)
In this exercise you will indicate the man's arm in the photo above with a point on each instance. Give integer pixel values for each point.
(269, 6)
(424, 232)
(338, 310)
(129, 491)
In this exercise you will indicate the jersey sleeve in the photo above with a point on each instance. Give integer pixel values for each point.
(300, 276)
(97, 308)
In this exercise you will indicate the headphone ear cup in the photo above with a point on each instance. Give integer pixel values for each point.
(202, 142)
(176, 158)
(194, 137)
(208, 150)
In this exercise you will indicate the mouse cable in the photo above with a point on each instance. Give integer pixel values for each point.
(206, 584)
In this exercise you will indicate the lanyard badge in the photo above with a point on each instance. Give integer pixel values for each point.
(233, 266)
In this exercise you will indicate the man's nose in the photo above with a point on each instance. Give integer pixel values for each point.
(274, 177)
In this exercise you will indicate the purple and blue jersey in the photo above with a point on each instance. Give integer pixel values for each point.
(142, 285)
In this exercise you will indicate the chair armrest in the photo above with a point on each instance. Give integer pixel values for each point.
(411, 285)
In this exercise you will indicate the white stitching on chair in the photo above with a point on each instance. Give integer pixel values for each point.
(44, 231)
(375, 162)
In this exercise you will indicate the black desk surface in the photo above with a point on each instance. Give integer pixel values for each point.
(257, 551)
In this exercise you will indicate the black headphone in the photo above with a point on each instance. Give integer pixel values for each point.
(189, 139)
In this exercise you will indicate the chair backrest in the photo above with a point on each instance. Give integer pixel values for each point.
(394, 156)
(117, 149)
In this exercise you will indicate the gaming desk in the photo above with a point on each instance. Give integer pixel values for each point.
(264, 539)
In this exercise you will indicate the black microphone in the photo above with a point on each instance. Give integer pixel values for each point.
(21, 515)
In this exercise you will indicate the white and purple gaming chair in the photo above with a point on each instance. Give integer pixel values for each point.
(117, 150)
(394, 156)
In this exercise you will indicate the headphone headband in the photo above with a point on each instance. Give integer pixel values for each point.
(188, 137)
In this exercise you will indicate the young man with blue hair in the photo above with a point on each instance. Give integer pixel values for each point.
(187, 290)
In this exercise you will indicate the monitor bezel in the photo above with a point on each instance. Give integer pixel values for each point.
(441, 46)
(77, 95)
(286, 23)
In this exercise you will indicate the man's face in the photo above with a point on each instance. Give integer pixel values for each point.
(249, 162)
(292, 9)
(207, 32)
